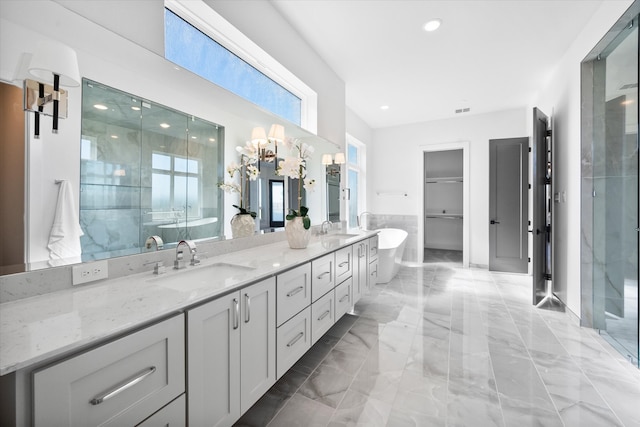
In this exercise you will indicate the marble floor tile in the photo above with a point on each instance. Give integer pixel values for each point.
(441, 345)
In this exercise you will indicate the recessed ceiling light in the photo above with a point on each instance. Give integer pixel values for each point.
(384, 107)
(212, 140)
(134, 108)
(101, 107)
(432, 25)
(114, 136)
(165, 125)
(194, 137)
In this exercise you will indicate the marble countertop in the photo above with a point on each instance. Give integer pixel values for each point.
(41, 328)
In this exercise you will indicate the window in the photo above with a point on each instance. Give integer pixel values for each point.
(196, 51)
(356, 161)
(171, 177)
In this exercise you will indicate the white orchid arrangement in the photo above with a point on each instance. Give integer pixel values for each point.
(295, 167)
(248, 171)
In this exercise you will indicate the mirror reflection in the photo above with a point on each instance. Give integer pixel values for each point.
(145, 170)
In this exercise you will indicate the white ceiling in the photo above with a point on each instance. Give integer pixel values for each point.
(487, 55)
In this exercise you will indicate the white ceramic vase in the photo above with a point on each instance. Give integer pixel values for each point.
(297, 236)
(242, 225)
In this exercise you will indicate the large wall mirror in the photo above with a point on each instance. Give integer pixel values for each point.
(116, 175)
(145, 170)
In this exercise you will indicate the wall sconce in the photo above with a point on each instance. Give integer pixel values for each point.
(51, 62)
(327, 159)
(260, 140)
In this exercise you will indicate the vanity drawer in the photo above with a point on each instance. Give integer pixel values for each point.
(293, 339)
(373, 273)
(323, 316)
(344, 263)
(119, 383)
(344, 297)
(293, 292)
(172, 415)
(323, 276)
(373, 248)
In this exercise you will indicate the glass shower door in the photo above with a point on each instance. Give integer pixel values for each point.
(615, 197)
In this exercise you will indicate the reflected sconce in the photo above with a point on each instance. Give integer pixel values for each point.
(328, 160)
(260, 140)
(54, 64)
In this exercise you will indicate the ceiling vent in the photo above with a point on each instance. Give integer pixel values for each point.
(463, 110)
(628, 86)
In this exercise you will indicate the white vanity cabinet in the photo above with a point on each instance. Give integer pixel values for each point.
(172, 415)
(361, 270)
(344, 297)
(119, 383)
(373, 261)
(323, 276)
(294, 292)
(344, 264)
(231, 347)
(323, 315)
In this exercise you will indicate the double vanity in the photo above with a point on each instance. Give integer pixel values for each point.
(196, 346)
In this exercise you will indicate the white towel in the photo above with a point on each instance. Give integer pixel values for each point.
(64, 239)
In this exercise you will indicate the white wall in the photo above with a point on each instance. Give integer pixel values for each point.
(394, 166)
(115, 61)
(560, 99)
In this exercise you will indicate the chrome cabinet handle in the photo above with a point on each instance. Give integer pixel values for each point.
(295, 291)
(236, 317)
(344, 297)
(129, 382)
(247, 304)
(323, 315)
(295, 339)
(342, 264)
(323, 274)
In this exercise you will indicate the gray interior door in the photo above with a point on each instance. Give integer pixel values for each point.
(508, 204)
(541, 204)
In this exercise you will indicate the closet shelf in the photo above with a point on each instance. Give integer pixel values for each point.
(444, 180)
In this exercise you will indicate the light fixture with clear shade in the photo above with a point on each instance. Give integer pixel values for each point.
(54, 64)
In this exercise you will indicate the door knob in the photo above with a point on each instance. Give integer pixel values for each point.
(493, 221)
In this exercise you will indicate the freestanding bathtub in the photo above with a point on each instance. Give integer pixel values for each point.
(391, 243)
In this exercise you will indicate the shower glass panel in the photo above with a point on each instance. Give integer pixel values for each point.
(145, 170)
(615, 194)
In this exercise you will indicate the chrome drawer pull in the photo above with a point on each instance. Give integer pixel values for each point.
(323, 274)
(344, 297)
(295, 291)
(247, 303)
(342, 264)
(129, 382)
(323, 315)
(295, 339)
(236, 317)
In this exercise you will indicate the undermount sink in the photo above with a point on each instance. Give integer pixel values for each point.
(341, 235)
(193, 277)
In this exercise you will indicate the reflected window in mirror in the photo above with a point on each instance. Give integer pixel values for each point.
(146, 170)
(355, 180)
(333, 193)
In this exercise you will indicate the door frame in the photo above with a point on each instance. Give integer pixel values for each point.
(445, 146)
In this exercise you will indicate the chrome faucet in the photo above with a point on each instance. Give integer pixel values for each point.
(361, 224)
(179, 261)
(154, 241)
(329, 224)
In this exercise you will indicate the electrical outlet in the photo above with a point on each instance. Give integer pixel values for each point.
(90, 272)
